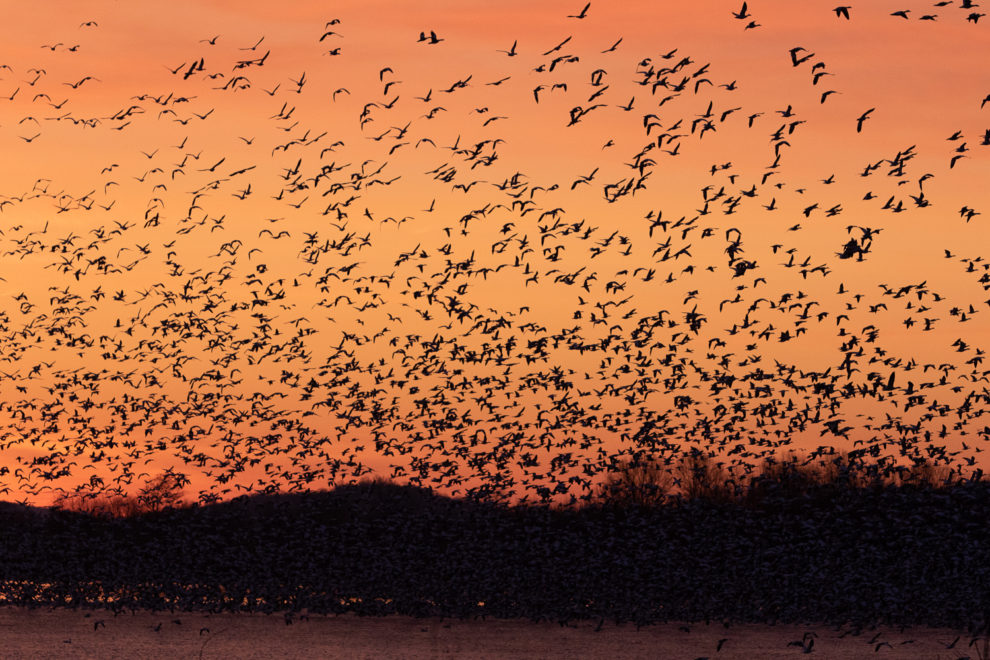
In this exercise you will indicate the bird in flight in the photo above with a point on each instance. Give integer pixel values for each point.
(584, 12)
(742, 14)
(795, 60)
(862, 118)
(612, 47)
(512, 51)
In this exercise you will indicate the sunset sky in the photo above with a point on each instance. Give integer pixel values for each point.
(278, 245)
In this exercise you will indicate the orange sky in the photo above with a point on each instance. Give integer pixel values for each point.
(151, 212)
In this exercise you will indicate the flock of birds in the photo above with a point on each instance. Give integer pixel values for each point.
(255, 304)
(842, 11)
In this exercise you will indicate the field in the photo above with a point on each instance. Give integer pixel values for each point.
(96, 634)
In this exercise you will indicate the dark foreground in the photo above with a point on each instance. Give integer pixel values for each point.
(100, 634)
(912, 556)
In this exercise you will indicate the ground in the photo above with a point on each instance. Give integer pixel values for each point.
(96, 634)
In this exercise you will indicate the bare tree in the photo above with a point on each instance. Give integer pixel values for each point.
(162, 492)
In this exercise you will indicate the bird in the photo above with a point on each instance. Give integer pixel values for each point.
(583, 13)
(862, 119)
(610, 49)
(512, 50)
(795, 60)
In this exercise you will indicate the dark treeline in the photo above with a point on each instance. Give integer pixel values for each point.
(798, 542)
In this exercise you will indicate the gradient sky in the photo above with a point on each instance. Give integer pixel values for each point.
(176, 239)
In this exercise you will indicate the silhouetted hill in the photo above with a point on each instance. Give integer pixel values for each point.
(17, 511)
(908, 555)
